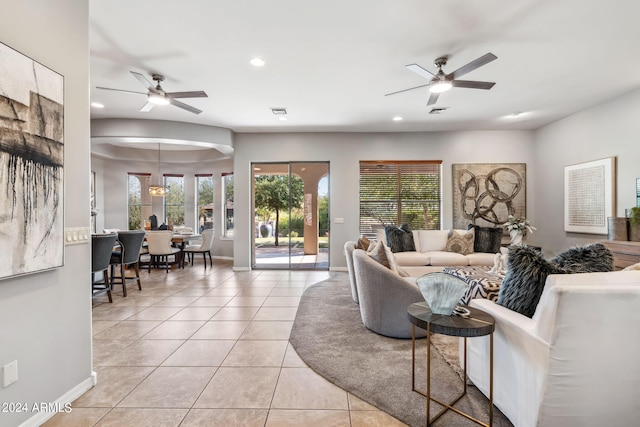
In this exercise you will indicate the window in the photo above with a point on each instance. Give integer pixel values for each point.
(204, 201)
(174, 200)
(400, 192)
(227, 205)
(139, 199)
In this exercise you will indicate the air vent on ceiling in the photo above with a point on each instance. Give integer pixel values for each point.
(438, 110)
(279, 111)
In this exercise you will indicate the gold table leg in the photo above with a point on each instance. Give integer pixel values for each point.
(427, 393)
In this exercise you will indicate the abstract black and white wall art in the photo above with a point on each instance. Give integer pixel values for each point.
(589, 196)
(485, 194)
(31, 165)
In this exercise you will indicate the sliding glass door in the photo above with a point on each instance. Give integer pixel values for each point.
(291, 206)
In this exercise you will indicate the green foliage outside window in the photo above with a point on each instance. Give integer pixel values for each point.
(273, 193)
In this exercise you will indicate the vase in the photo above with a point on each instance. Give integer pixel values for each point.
(441, 291)
(516, 237)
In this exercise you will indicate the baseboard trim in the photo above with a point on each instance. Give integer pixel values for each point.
(77, 391)
(338, 269)
(241, 268)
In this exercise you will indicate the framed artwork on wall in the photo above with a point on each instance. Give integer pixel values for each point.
(31, 165)
(589, 196)
(485, 194)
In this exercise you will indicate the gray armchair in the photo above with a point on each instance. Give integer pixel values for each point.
(384, 297)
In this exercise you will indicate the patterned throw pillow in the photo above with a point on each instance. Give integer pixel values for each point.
(363, 243)
(461, 243)
(379, 254)
(400, 239)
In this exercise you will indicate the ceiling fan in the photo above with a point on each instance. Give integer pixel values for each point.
(441, 82)
(157, 96)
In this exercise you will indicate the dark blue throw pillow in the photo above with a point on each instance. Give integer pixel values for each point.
(399, 239)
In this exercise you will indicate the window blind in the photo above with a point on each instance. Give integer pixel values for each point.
(400, 192)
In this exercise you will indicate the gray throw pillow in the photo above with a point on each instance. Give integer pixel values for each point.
(526, 275)
(585, 259)
(399, 239)
(487, 239)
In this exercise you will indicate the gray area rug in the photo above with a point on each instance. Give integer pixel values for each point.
(329, 336)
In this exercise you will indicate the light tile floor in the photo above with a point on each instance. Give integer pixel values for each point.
(209, 348)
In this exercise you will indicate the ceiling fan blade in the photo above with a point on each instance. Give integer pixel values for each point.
(145, 81)
(147, 107)
(433, 99)
(119, 90)
(404, 90)
(193, 94)
(484, 59)
(184, 106)
(421, 71)
(472, 84)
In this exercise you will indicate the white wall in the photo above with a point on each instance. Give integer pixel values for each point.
(609, 129)
(45, 318)
(345, 150)
(111, 179)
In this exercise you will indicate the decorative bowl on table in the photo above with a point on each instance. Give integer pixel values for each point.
(441, 291)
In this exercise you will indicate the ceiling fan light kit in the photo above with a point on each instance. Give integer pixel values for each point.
(157, 99)
(440, 86)
(157, 96)
(441, 82)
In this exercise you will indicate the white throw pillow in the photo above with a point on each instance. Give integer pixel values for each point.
(431, 240)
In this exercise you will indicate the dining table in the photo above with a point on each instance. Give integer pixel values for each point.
(180, 240)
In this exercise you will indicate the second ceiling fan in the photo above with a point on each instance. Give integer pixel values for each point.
(156, 95)
(441, 82)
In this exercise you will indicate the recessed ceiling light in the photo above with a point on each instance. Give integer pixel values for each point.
(397, 119)
(282, 118)
(97, 105)
(515, 114)
(257, 62)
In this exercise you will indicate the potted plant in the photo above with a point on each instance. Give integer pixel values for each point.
(517, 228)
(634, 224)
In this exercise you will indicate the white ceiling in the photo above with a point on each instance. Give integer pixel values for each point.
(330, 62)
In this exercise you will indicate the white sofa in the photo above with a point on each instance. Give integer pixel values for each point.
(431, 250)
(575, 363)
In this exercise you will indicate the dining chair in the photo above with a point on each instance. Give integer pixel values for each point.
(129, 254)
(101, 248)
(204, 248)
(159, 248)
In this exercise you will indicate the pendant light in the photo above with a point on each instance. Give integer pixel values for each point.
(158, 190)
